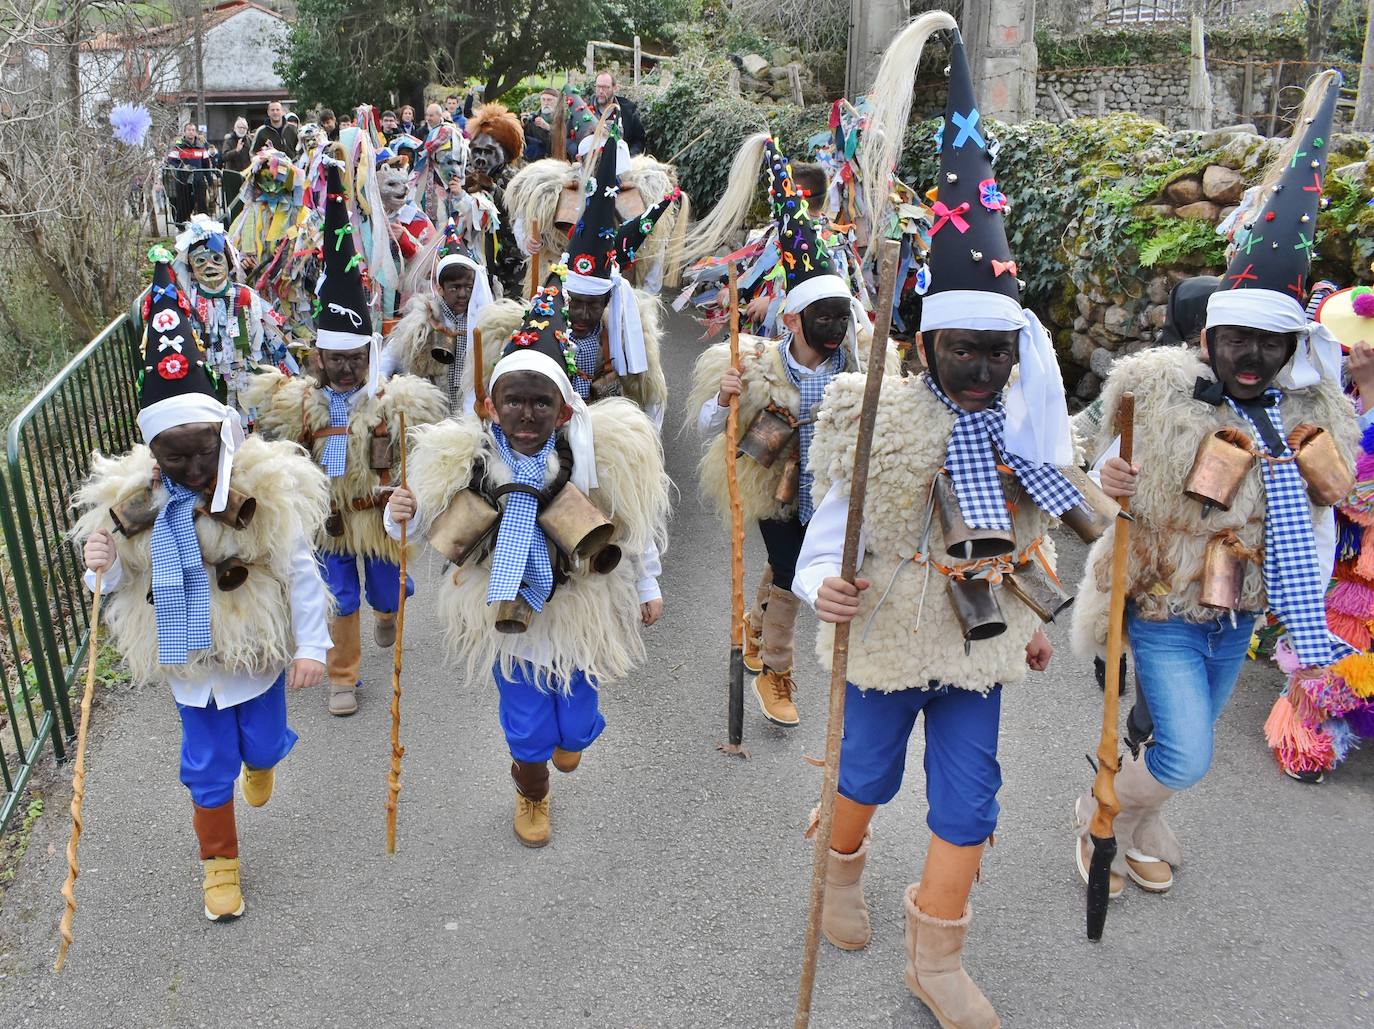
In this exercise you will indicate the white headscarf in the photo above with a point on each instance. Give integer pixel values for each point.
(1318, 353)
(481, 284)
(188, 409)
(579, 429)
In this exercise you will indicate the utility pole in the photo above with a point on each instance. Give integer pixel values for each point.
(198, 24)
(1364, 99)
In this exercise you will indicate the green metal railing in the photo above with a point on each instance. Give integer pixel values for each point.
(91, 405)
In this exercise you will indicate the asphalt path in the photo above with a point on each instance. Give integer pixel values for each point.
(674, 891)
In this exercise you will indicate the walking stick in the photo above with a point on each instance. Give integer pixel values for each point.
(534, 262)
(393, 779)
(478, 390)
(736, 702)
(888, 254)
(79, 783)
(1108, 744)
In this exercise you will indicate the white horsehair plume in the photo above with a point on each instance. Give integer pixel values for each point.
(726, 218)
(891, 106)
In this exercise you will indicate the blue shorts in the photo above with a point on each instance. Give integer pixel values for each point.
(381, 580)
(536, 720)
(962, 774)
(215, 741)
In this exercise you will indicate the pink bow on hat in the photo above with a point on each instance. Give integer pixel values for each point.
(947, 214)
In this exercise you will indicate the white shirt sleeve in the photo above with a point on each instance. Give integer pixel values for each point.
(309, 605)
(1324, 534)
(110, 581)
(390, 362)
(1114, 450)
(393, 528)
(1366, 420)
(712, 417)
(823, 547)
(648, 567)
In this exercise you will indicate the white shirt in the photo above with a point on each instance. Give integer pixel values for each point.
(712, 417)
(823, 546)
(309, 624)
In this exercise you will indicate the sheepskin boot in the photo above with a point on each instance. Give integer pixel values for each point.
(257, 785)
(753, 623)
(531, 802)
(1147, 850)
(844, 915)
(219, 856)
(935, 969)
(774, 686)
(384, 628)
(343, 662)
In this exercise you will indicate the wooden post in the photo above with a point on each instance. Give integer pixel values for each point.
(1274, 92)
(1364, 99)
(590, 64)
(1247, 90)
(638, 54)
(1199, 85)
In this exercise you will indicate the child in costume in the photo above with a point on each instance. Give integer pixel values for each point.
(1250, 442)
(1324, 713)
(779, 383)
(942, 611)
(431, 339)
(202, 541)
(348, 421)
(554, 618)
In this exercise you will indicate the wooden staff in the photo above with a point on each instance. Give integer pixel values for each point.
(475, 356)
(79, 782)
(1108, 744)
(534, 261)
(736, 703)
(393, 779)
(889, 253)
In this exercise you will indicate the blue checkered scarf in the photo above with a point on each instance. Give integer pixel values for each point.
(335, 456)
(181, 589)
(812, 389)
(1293, 579)
(588, 357)
(971, 457)
(520, 561)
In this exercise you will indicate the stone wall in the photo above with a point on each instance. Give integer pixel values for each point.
(1158, 91)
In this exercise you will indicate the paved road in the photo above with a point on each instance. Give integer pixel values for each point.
(674, 891)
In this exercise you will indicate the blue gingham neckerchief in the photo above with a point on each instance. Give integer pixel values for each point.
(181, 589)
(971, 457)
(1293, 578)
(520, 560)
(812, 389)
(335, 456)
(588, 363)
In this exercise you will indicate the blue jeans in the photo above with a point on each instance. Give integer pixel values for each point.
(1186, 671)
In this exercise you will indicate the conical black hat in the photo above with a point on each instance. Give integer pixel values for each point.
(344, 321)
(173, 359)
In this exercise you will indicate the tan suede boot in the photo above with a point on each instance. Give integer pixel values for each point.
(774, 686)
(1146, 849)
(566, 760)
(343, 661)
(532, 826)
(384, 628)
(935, 970)
(753, 623)
(257, 785)
(219, 856)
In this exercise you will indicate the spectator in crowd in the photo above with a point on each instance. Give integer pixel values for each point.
(451, 111)
(434, 117)
(407, 121)
(276, 131)
(604, 97)
(328, 123)
(345, 122)
(391, 125)
(236, 153)
(189, 176)
(538, 124)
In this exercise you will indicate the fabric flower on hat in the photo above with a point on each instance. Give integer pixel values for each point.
(173, 366)
(991, 197)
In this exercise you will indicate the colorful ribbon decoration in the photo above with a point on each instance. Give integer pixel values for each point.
(947, 214)
(1001, 267)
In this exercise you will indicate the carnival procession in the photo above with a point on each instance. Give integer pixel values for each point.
(531, 555)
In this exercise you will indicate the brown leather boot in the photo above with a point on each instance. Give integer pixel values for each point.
(257, 785)
(219, 856)
(774, 686)
(935, 970)
(384, 628)
(566, 760)
(343, 661)
(774, 691)
(531, 802)
(753, 623)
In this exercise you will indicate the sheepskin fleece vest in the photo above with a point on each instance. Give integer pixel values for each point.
(499, 321)
(592, 622)
(888, 651)
(764, 378)
(1170, 533)
(420, 330)
(281, 402)
(251, 626)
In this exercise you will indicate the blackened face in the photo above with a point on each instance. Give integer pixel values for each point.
(1248, 360)
(529, 410)
(825, 323)
(188, 454)
(584, 313)
(973, 365)
(344, 369)
(455, 286)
